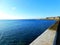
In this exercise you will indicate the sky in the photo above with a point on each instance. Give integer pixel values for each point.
(29, 9)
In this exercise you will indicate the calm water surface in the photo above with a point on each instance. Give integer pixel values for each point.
(22, 32)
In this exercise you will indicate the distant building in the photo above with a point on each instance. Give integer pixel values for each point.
(56, 18)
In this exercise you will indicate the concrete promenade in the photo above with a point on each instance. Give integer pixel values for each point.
(47, 38)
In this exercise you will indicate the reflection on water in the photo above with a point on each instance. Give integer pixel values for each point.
(22, 32)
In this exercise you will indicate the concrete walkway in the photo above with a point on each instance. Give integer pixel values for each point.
(46, 38)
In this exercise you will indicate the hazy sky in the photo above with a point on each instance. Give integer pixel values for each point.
(10, 9)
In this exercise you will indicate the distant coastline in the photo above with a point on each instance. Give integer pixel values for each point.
(54, 27)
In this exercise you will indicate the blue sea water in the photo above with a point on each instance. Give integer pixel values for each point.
(22, 32)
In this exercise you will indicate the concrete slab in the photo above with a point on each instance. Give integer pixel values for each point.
(46, 38)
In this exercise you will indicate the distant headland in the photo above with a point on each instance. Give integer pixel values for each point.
(53, 18)
(54, 27)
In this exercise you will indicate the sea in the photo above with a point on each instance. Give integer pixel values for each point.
(22, 32)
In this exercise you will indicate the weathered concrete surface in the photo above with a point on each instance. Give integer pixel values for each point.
(46, 38)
